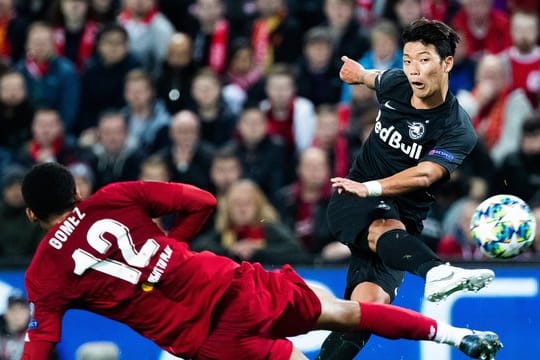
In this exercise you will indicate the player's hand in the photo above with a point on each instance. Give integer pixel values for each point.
(350, 186)
(350, 71)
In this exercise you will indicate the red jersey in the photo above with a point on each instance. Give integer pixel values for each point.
(108, 257)
(526, 72)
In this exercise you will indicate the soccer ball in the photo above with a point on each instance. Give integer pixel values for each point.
(503, 226)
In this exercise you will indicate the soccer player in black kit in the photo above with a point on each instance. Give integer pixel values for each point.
(420, 136)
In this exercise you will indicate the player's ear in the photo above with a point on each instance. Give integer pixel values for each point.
(448, 64)
(31, 216)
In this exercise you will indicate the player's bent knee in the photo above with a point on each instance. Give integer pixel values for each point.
(370, 292)
(379, 227)
(339, 315)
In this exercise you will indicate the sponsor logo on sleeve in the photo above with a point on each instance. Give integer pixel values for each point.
(442, 154)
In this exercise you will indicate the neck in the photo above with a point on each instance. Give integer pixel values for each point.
(142, 111)
(53, 220)
(310, 194)
(74, 25)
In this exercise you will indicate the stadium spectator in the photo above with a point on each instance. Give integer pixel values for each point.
(225, 170)
(114, 159)
(244, 82)
(153, 168)
(442, 10)
(74, 31)
(148, 119)
(12, 33)
(262, 156)
(248, 229)
(275, 34)
(211, 36)
(463, 72)
(18, 238)
(349, 38)
(318, 72)
(13, 324)
(49, 142)
(384, 54)
(216, 116)
(402, 13)
(16, 112)
(187, 156)
(524, 54)
(497, 112)
(84, 178)
(34, 10)
(228, 311)
(178, 69)
(51, 80)
(456, 242)
(329, 138)
(104, 74)
(519, 172)
(290, 117)
(486, 29)
(149, 32)
(302, 206)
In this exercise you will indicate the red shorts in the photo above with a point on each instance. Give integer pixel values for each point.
(258, 311)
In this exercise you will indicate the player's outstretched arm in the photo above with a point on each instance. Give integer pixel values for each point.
(353, 73)
(418, 177)
(38, 350)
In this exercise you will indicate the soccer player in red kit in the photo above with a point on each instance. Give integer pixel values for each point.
(107, 256)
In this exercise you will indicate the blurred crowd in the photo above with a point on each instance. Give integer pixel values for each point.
(243, 99)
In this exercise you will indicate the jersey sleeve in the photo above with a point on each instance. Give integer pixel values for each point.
(190, 205)
(389, 82)
(454, 145)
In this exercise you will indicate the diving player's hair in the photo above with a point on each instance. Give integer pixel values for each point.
(433, 32)
(49, 189)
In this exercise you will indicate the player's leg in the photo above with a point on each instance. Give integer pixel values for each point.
(403, 251)
(368, 280)
(393, 322)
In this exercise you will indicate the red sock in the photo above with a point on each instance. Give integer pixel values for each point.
(394, 322)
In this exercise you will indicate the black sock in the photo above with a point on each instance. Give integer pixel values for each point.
(402, 251)
(342, 346)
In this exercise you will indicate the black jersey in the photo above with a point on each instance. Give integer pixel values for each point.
(404, 136)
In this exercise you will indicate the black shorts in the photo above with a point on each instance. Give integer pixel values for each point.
(349, 217)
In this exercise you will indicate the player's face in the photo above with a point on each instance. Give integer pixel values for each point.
(427, 73)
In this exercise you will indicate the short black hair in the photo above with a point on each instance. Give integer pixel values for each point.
(49, 189)
(109, 28)
(433, 32)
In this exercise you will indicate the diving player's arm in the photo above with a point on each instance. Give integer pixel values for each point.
(38, 350)
(418, 177)
(353, 73)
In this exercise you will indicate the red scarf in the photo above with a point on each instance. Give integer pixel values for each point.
(217, 58)
(245, 81)
(341, 155)
(282, 127)
(260, 39)
(248, 232)
(127, 16)
(5, 46)
(86, 45)
(35, 147)
(37, 69)
(490, 120)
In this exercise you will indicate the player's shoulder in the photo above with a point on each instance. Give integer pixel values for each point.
(392, 83)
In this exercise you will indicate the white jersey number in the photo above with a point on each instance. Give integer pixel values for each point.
(122, 270)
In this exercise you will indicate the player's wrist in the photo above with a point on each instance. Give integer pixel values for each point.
(374, 188)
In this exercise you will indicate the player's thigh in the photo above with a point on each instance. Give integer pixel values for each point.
(220, 345)
(367, 267)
